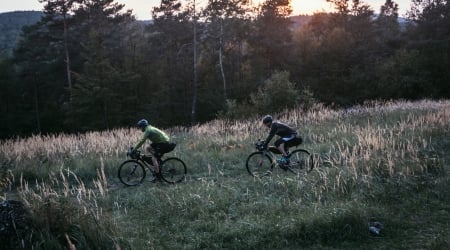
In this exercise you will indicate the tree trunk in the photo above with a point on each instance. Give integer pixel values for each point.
(222, 72)
(36, 104)
(194, 87)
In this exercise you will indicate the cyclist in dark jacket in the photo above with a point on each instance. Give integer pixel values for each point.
(288, 136)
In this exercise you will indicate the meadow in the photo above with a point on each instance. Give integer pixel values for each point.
(384, 162)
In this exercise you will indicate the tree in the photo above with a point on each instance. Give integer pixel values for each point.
(9, 104)
(221, 14)
(387, 28)
(271, 40)
(57, 11)
(100, 93)
(431, 37)
(172, 40)
(40, 69)
(104, 75)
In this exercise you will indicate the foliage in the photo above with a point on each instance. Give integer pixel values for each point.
(235, 111)
(276, 94)
(66, 214)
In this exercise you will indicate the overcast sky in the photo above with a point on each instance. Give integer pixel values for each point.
(142, 8)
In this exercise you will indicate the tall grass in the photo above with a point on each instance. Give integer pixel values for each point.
(386, 161)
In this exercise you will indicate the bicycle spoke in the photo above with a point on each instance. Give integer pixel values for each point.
(300, 160)
(173, 170)
(258, 164)
(131, 173)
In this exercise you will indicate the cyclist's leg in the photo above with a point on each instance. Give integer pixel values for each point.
(280, 144)
(154, 150)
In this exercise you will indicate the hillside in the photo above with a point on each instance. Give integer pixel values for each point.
(387, 165)
(11, 24)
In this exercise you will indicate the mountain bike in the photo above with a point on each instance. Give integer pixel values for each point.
(262, 162)
(133, 172)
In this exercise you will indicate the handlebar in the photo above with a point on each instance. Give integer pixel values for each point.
(260, 145)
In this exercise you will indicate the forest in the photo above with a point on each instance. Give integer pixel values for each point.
(90, 65)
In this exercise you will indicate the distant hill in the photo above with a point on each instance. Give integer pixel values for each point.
(11, 24)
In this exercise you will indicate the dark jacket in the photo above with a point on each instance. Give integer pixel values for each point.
(280, 129)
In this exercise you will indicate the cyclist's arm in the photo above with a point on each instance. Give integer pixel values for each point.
(142, 141)
(273, 129)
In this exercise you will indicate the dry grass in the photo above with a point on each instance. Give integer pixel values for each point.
(115, 142)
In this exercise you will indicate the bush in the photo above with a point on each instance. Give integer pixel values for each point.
(277, 93)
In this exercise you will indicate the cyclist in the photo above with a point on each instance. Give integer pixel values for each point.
(159, 142)
(288, 137)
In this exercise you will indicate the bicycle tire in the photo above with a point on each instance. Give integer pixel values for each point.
(131, 173)
(301, 159)
(173, 170)
(259, 164)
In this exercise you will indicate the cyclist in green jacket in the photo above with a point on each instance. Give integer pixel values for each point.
(159, 141)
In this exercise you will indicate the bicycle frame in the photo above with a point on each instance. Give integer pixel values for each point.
(266, 159)
(273, 156)
(147, 161)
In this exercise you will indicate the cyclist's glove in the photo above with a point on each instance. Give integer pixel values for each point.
(262, 146)
(132, 153)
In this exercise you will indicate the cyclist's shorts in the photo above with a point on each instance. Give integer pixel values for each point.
(162, 148)
(289, 142)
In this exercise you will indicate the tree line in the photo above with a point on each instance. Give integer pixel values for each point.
(89, 65)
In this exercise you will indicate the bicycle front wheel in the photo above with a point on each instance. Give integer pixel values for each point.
(301, 159)
(131, 173)
(173, 170)
(259, 164)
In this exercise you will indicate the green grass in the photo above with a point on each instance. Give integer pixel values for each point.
(385, 162)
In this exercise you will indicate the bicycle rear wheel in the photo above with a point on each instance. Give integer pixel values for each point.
(301, 160)
(259, 164)
(131, 173)
(173, 170)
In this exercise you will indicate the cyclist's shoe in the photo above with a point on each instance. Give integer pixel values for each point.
(284, 162)
(157, 177)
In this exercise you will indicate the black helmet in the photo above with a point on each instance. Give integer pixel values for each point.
(267, 119)
(142, 123)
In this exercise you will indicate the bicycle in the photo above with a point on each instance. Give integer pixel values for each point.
(133, 172)
(262, 162)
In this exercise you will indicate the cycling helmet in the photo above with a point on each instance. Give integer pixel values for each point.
(142, 123)
(267, 119)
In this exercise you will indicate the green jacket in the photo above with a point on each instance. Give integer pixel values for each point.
(153, 134)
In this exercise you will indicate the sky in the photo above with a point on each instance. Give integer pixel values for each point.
(142, 8)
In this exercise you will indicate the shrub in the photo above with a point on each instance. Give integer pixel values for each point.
(277, 93)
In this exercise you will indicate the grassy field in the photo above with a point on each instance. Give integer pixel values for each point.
(385, 162)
